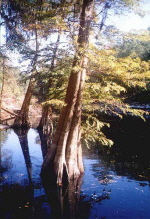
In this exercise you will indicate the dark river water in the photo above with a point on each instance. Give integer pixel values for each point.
(115, 185)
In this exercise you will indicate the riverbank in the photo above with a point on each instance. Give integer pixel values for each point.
(13, 105)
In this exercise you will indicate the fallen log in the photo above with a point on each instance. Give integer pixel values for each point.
(12, 113)
(2, 127)
(7, 119)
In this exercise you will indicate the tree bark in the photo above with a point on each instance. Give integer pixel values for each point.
(3, 82)
(65, 151)
(45, 123)
(46, 120)
(45, 128)
(23, 120)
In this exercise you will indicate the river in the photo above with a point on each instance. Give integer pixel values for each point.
(115, 185)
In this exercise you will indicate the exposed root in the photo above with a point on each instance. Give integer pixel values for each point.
(62, 170)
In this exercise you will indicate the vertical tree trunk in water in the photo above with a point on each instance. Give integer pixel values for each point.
(22, 121)
(45, 127)
(2, 86)
(65, 151)
(46, 120)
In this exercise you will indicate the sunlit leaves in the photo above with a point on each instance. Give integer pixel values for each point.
(137, 43)
(55, 102)
(117, 74)
(91, 131)
(108, 80)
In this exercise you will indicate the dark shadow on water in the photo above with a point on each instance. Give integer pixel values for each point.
(16, 198)
(130, 153)
(62, 199)
(68, 201)
(15, 201)
(43, 140)
(105, 188)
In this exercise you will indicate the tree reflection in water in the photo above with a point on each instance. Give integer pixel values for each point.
(43, 141)
(5, 155)
(129, 156)
(68, 201)
(22, 136)
(111, 183)
(15, 197)
(63, 200)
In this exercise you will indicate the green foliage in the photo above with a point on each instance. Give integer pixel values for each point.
(10, 79)
(92, 131)
(52, 84)
(55, 103)
(109, 79)
(117, 75)
(137, 43)
(110, 76)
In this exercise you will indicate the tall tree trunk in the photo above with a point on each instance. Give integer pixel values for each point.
(22, 121)
(46, 119)
(2, 84)
(66, 151)
(45, 127)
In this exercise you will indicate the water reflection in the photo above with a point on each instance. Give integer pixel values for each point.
(22, 136)
(64, 201)
(20, 183)
(129, 154)
(6, 154)
(43, 141)
(112, 187)
(127, 198)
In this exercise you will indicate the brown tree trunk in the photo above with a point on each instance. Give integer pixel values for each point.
(22, 121)
(45, 127)
(2, 86)
(66, 151)
(46, 120)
